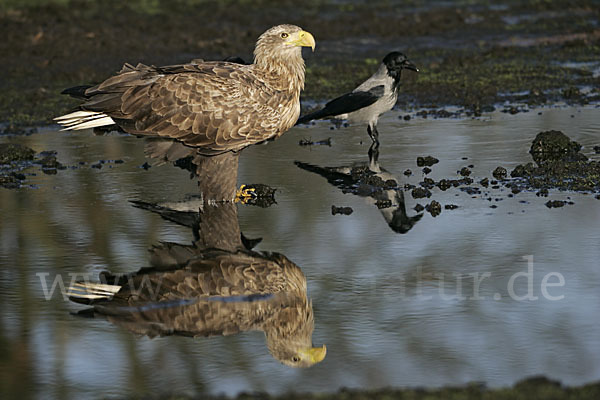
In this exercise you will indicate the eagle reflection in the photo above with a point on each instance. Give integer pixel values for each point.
(374, 183)
(217, 285)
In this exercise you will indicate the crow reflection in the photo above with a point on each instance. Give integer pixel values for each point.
(217, 285)
(374, 183)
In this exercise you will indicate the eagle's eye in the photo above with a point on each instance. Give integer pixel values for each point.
(284, 35)
(295, 358)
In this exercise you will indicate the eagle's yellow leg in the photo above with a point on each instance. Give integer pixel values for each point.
(243, 194)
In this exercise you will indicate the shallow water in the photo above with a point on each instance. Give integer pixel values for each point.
(393, 309)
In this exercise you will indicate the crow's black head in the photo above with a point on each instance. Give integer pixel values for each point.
(395, 62)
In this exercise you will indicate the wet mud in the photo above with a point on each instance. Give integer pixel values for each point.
(557, 164)
(471, 54)
(16, 161)
(537, 387)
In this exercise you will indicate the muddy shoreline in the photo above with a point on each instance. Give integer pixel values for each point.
(472, 55)
(532, 388)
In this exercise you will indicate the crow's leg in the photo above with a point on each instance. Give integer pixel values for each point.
(374, 157)
(373, 134)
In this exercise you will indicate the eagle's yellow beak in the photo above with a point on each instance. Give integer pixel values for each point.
(314, 354)
(304, 39)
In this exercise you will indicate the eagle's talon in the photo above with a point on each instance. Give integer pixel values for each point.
(245, 194)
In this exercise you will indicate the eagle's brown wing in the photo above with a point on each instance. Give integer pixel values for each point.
(215, 106)
(218, 293)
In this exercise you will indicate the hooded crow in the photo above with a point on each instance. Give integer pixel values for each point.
(372, 182)
(369, 100)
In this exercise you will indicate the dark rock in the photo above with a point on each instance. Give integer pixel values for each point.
(426, 161)
(383, 204)
(450, 206)
(444, 184)
(555, 203)
(550, 146)
(464, 171)
(341, 210)
(558, 164)
(484, 182)
(434, 208)
(420, 192)
(418, 208)
(597, 149)
(522, 170)
(428, 183)
(19, 157)
(443, 113)
(426, 170)
(11, 180)
(500, 173)
(390, 184)
(408, 172)
(542, 193)
(372, 180)
(13, 152)
(47, 159)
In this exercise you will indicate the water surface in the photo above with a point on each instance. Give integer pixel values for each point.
(393, 309)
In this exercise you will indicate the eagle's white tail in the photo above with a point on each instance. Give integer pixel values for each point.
(83, 120)
(92, 291)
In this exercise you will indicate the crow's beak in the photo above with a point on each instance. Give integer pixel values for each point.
(409, 65)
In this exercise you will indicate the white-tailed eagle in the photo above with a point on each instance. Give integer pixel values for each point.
(213, 106)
